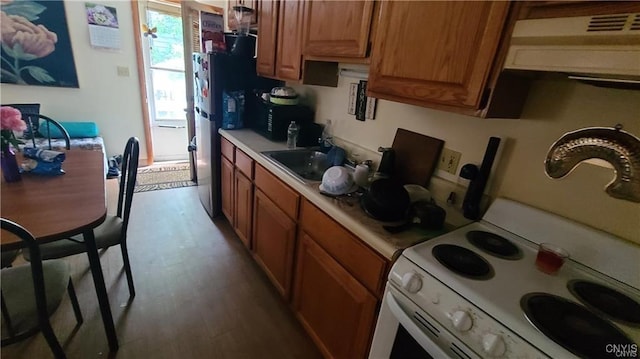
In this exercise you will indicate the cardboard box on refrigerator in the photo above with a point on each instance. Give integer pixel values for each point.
(211, 32)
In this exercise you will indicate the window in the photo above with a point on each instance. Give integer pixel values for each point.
(166, 66)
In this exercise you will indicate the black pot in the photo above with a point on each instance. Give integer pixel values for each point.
(424, 214)
(427, 215)
(387, 200)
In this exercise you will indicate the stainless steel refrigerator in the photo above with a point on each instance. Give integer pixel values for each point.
(213, 74)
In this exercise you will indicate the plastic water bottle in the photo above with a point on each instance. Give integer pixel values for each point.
(326, 141)
(292, 135)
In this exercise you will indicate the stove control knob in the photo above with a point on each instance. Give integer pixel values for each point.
(411, 282)
(493, 345)
(461, 320)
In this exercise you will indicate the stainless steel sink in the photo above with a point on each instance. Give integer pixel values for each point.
(307, 165)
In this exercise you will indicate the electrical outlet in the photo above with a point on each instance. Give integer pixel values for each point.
(449, 160)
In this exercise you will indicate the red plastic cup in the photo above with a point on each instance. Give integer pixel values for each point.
(550, 258)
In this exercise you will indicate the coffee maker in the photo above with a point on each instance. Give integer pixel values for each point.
(244, 43)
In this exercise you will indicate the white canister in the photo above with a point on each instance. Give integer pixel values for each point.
(361, 175)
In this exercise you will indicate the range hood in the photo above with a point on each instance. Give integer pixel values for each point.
(603, 47)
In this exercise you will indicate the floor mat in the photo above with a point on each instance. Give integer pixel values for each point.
(163, 176)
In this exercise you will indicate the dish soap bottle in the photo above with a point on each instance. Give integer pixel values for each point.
(292, 135)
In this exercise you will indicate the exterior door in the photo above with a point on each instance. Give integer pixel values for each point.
(166, 86)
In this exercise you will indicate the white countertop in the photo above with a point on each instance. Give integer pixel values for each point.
(351, 216)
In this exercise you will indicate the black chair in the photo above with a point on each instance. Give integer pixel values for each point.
(32, 292)
(114, 229)
(40, 126)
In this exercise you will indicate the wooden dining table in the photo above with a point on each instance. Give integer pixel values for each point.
(57, 207)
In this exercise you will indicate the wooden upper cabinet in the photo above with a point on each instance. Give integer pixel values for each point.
(267, 37)
(337, 28)
(435, 52)
(289, 49)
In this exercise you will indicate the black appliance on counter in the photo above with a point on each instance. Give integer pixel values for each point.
(214, 73)
(272, 120)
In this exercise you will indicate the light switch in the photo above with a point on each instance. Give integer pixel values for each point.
(123, 71)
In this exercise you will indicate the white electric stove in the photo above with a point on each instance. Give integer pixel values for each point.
(477, 293)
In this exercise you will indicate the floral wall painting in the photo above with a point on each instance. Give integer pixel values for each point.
(36, 47)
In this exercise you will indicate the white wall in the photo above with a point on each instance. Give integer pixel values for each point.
(112, 101)
(554, 107)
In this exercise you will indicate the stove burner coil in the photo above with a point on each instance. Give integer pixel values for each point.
(494, 245)
(463, 261)
(606, 302)
(572, 326)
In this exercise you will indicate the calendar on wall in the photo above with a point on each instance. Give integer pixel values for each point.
(104, 31)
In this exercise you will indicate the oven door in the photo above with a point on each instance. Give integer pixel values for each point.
(405, 331)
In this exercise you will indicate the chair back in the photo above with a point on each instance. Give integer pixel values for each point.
(36, 264)
(44, 129)
(128, 178)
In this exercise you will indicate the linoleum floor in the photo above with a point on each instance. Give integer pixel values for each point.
(199, 293)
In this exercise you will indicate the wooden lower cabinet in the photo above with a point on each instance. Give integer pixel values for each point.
(226, 182)
(243, 206)
(274, 236)
(336, 310)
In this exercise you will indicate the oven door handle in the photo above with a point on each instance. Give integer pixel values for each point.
(433, 348)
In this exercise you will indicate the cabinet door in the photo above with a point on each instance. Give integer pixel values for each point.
(267, 30)
(227, 189)
(274, 235)
(435, 52)
(337, 28)
(289, 52)
(336, 310)
(243, 189)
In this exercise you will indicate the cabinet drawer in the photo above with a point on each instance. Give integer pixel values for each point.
(361, 261)
(227, 148)
(244, 163)
(277, 191)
